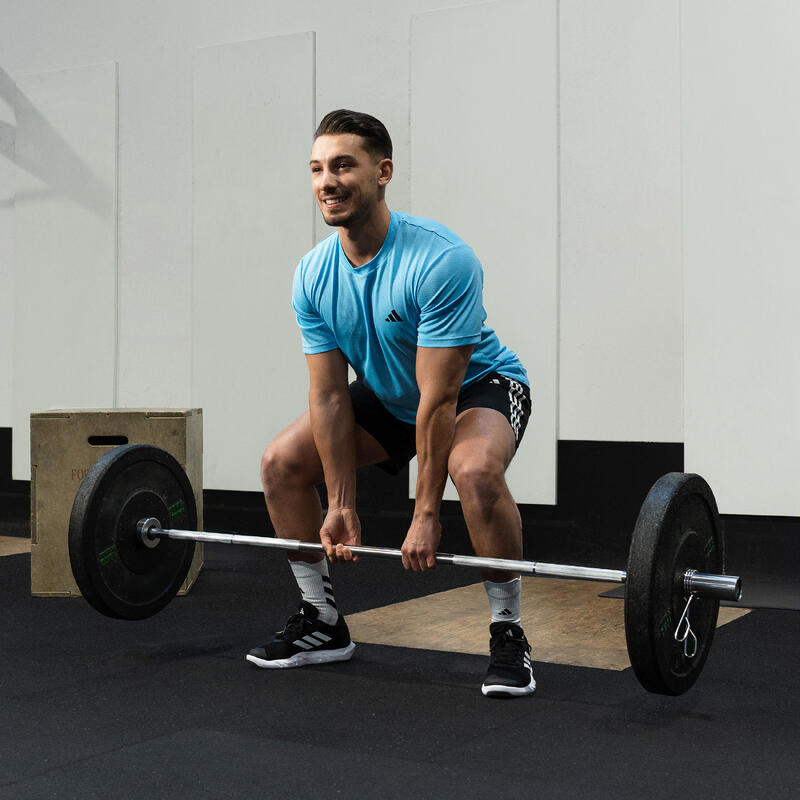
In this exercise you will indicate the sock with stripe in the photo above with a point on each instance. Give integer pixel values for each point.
(504, 600)
(315, 586)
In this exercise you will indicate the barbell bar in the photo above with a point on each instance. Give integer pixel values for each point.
(721, 587)
(128, 566)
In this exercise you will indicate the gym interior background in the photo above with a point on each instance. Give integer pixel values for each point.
(626, 171)
(636, 174)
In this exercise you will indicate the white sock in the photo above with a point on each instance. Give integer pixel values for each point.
(315, 586)
(504, 600)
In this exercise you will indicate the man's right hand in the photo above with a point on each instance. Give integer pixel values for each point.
(340, 531)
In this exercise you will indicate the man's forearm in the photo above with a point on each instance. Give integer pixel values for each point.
(435, 428)
(333, 429)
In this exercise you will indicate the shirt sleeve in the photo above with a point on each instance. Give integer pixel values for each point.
(317, 336)
(450, 297)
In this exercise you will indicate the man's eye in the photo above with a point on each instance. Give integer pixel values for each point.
(341, 165)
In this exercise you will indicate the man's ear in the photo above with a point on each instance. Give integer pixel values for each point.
(385, 171)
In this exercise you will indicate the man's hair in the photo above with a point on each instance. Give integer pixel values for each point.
(372, 131)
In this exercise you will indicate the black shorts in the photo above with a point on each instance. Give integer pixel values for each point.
(511, 398)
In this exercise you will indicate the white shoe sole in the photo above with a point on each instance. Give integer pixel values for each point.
(498, 690)
(304, 658)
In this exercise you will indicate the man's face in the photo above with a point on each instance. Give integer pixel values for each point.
(347, 180)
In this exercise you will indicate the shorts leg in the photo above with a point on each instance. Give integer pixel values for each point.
(397, 438)
(511, 398)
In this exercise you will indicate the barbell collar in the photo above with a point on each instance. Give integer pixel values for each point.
(720, 587)
(723, 587)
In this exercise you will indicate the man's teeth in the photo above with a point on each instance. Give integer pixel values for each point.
(333, 201)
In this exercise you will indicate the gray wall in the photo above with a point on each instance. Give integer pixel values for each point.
(673, 167)
(741, 251)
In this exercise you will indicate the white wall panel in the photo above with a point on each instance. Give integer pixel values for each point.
(484, 160)
(253, 221)
(741, 172)
(7, 182)
(66, 245)
(621, 294)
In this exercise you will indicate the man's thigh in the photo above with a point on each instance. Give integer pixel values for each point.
(483, 441)
(295, 445)
(490, 423)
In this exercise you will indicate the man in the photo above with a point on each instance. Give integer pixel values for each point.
(399, 299)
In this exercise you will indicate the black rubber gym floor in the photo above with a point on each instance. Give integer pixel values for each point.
(168, 708)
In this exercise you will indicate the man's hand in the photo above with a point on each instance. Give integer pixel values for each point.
(340, 529)
(422, 539)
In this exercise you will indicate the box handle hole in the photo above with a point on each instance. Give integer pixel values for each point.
(107, 441)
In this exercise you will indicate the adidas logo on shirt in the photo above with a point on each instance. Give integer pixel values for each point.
(394, 317)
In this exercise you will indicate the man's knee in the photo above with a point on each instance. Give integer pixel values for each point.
(284, 464)
(480, 482)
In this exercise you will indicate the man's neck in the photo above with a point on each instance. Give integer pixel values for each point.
(361, 243)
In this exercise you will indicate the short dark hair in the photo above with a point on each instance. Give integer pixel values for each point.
(372, 131)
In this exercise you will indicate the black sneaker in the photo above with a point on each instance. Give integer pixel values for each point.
(305, 640)
(510, 672)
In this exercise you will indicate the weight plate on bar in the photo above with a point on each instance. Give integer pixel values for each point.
(116, 572)
(678, 529)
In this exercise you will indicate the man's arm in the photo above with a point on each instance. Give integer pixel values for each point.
(440, 374)
(333, 429)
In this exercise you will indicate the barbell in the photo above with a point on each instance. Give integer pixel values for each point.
(129, 561)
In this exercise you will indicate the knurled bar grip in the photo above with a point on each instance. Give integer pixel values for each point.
(722, 587)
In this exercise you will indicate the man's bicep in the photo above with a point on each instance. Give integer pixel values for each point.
(441, 370)
(327, 372)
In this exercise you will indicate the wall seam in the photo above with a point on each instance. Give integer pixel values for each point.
(117, 226)
(681, 211)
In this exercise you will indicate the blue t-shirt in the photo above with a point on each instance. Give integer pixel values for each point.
(423, 288)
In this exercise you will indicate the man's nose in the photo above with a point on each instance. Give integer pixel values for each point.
(327, 180)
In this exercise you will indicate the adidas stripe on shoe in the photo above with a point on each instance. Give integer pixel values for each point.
(304, 640)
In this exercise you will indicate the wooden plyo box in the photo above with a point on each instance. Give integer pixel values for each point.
(65, 444)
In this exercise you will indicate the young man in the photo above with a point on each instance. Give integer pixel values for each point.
(399, 299)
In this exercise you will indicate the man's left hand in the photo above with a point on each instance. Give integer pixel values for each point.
(422, 539)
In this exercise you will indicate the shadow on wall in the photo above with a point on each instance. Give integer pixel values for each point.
(46, 155)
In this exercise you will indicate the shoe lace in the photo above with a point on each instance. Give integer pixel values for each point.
(507, 649)
(294, 626)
